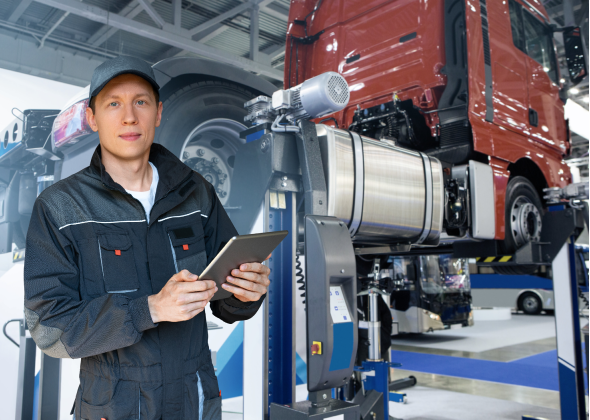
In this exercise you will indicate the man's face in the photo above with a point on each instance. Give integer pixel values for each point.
(126, 116)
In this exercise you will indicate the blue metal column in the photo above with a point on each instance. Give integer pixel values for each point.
(281, 343)
(567, 328)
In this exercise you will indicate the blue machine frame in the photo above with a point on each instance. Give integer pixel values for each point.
(281, 344)
(567, 326)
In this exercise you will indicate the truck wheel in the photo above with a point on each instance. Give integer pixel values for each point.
(201, 124)
(530, 304)
(523, 214)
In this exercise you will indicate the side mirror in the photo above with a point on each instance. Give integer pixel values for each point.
(574, 54)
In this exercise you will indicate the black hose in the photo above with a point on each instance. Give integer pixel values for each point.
(6, 334)
(330, 119)
(299, 276)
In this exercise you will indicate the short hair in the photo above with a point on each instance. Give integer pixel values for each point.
(156, 94)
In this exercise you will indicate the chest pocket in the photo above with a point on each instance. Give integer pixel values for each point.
(117, 263)
(188, 248)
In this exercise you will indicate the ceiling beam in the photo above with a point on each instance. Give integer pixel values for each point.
(205, 36)
(50, 31)
(104, 33)
(23, 55)
(147, 6)
(17, 12)
(277, 11)
(274, 51)
(254, 33)
(177, 12)
(218, 19)
(102, 16)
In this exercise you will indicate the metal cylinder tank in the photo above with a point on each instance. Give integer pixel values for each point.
(385, 194)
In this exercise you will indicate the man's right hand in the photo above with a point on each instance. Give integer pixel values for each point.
(182, 298)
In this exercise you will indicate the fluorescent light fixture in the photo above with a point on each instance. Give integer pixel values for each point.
(574, 91)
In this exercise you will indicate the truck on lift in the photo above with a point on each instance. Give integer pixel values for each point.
(475, 86)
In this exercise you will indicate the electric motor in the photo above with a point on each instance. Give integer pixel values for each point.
(314, 98)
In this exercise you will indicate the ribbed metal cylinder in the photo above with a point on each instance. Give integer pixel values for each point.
(383, 192)
(374, 328)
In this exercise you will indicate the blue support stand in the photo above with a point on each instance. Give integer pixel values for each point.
(281, 354)
(378, 379)
(567, 326)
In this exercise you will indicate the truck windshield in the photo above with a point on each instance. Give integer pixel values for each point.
(456, 274)
(430, 275)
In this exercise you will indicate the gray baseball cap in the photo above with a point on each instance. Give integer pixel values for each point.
(118, 66)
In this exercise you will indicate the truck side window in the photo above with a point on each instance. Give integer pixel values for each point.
(539, 45)
(516, 25)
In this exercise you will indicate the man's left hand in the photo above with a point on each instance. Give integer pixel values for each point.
(248, 282)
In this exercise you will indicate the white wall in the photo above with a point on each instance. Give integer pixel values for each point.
(578, 117)
(11, 307)
(29, 92)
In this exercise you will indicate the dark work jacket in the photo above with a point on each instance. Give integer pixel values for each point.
(92, 260)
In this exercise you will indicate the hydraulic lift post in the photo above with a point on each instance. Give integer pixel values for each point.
(570, 366)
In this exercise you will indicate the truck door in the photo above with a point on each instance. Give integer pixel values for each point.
(509, 67)
(546, 113)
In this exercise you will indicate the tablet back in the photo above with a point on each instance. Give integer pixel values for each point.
(239, 250)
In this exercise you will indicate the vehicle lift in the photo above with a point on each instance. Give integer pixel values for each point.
(292, 168)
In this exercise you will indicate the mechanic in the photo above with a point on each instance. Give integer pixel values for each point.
(112, 264)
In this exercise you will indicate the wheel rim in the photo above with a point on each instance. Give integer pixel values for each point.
(530, 304)
(525, 221)
(210, 149)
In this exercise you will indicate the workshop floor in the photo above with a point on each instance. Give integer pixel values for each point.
(425, 403)
(515, 344)
(524, 342)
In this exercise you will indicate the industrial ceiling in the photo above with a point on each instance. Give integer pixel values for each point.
(65, 40)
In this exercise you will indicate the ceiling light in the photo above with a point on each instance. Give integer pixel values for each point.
(562, 80)
(574, 91)
(585, 99)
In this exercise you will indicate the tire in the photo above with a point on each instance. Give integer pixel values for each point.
(523, 216)
(530, 304)
(201, 124)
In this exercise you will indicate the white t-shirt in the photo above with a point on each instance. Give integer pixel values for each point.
(146, 198)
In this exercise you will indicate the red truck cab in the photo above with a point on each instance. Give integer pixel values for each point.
(459, 80)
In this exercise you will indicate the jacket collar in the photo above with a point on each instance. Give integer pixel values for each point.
(171, 170)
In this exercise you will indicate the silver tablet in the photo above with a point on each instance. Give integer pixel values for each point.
(239, 250)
